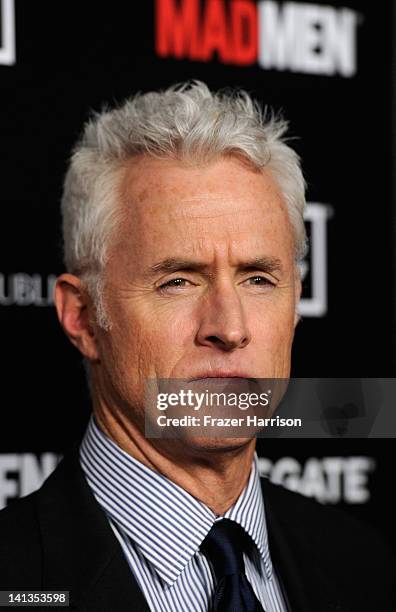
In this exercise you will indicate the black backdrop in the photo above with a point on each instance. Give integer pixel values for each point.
(58, 60)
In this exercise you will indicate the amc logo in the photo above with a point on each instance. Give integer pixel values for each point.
(7, 32)
(314, 266)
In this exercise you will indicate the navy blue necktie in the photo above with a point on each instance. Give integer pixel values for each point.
(224, 546)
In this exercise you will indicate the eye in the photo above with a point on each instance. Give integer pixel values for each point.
(261, 281)
(174, 283)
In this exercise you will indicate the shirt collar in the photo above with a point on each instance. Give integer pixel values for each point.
(165, 522)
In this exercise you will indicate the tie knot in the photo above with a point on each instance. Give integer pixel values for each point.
(224, 546)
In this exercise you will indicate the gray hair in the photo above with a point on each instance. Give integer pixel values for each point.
(185, 122)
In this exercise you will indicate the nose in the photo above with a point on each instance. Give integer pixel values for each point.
(223, 324)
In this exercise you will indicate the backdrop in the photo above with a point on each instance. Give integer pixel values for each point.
(328, 67)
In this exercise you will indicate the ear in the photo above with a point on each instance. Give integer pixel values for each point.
(297, 294)
(76, 314)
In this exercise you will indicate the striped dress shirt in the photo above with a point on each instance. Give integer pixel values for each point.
(160, 527)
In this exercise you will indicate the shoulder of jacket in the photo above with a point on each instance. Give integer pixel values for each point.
(325, 525)
(18, 515)
(20, 545)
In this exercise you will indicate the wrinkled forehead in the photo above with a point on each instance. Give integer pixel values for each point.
(223, 208)
(145, 177)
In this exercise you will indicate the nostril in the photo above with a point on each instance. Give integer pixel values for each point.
(213, 339)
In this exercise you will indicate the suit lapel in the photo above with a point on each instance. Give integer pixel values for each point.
(80, 551)
(308, 588)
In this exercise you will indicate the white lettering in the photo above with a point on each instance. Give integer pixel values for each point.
(34, 471)
(357, 470)
(317, 215)
(8, 486)
(7, 20)
(307, 38)
(27, 290)
(21, 474)
(329, 480)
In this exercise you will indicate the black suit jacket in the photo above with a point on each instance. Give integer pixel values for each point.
(59, 538)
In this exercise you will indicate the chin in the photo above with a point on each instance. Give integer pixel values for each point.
(216, 444)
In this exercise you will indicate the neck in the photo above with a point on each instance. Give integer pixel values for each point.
(215, 471)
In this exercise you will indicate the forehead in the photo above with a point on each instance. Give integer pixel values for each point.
(225, 205)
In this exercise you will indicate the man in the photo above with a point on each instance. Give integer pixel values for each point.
(183, 229)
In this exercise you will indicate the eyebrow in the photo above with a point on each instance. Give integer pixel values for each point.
(266, 263)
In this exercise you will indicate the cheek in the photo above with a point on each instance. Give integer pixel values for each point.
(147, 341)
(176, 331)
(272, 326)
(133, 351)
(171, 341)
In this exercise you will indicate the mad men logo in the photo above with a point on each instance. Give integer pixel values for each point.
(300, 37)
(7, 32)
(329, 480)
(23, 473)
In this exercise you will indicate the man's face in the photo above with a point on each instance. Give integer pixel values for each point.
(201, 278)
